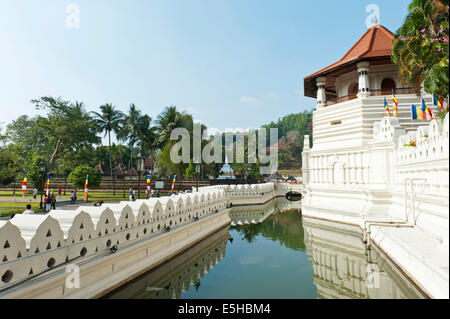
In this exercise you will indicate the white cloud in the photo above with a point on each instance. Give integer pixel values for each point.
(250, 100)
(271, 96)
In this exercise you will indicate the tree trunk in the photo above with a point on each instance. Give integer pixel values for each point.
(110, 162)
(55, 154)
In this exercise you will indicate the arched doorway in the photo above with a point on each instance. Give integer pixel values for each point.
(387, 85)
(353, 88)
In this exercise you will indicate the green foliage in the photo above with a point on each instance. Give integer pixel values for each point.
(68, 129)
(291, 130)
(107, 121)
(190, 171)
(8, 168)
(35, 176)
(78, 176)
(420, 47)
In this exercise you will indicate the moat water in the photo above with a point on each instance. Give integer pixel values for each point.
(270, 251)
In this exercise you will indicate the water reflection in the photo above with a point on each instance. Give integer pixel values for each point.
(284, 227)
(172, 278)
(272, 252)
(344, 269)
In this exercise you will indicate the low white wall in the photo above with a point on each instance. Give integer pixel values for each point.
(31, 244)
(36, 245)
(369, 181)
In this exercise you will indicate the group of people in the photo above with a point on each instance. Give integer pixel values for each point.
(35, 193)
(50, 202)
(153, 193)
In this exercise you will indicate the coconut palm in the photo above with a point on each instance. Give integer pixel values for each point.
(130, 130)
(147, 136)
(110, 119)
(168, 120)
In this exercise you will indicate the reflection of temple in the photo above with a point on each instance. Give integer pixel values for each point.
(254, 214)
(343, 270)
(172, 278)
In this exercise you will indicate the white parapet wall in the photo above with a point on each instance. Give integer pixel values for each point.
(399, 176)
(35, 249)
(34, 244)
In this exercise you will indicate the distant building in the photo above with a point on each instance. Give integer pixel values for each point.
(226, 172)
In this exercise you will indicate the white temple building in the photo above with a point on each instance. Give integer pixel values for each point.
(361, 170)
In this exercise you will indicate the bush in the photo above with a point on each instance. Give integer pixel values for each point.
(78, 176)
(8, 168)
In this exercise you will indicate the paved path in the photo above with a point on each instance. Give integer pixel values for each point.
(65, 205)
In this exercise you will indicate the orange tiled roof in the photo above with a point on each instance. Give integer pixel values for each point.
(376, 42)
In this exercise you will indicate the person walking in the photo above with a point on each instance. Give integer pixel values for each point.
(53, 200)
(131, 194)
(48, 203)
(35, 191)
(59, 193)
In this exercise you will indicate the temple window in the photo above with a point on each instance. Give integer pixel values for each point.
(353, 88)
(387, 85)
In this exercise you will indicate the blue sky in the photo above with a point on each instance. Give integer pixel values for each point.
(231, 63)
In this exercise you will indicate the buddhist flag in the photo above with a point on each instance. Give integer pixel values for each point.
(416, 113)
(426, 110)
(149, 177)
(386, 107)
(24, 186)
(439, 103)
(86, 188)
(394, 99)
(173, 182)
(48, 184)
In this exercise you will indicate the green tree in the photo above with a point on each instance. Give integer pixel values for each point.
(78, 176)
(190, 171)
(33, 171)
(110, 119)
(129, 131)
(147, 136)
(68, 129)
(167, 121)
(420, 47)
(8, 168)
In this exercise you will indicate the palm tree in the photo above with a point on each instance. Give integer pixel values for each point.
(147, 136)
(110, 119)
(130, 129)
(168, 120)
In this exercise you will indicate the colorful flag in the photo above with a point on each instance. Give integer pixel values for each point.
(426, 110)
(149, 177)
(48, 184)
(386, 107)
(416, 113)
(86, 188)
(173, 183)
(394, 99)
(24, 186)
(439, 103)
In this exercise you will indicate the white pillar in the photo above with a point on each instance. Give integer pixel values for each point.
(363, 71)
(321, 95)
